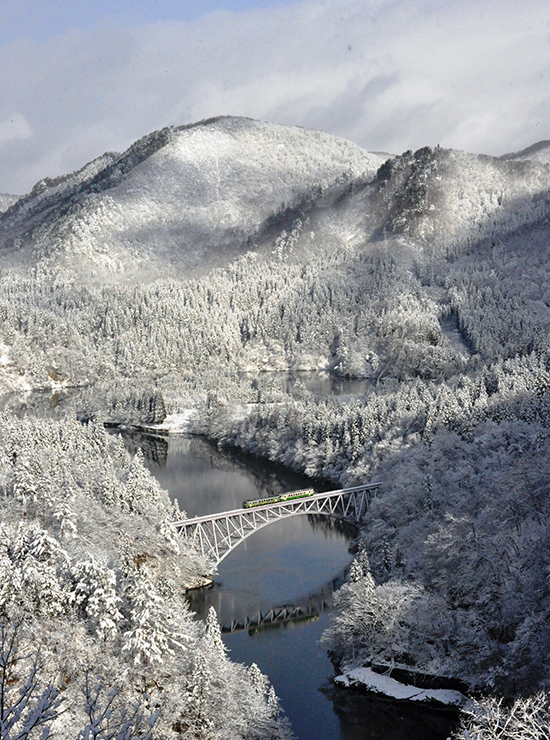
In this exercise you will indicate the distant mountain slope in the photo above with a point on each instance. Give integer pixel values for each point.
(180, 199)
(448, 200)
(539, 152)
(433, 203)
(183, 201)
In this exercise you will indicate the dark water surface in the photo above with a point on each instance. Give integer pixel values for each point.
(325, 384)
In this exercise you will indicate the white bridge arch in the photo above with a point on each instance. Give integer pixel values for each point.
(216, 535)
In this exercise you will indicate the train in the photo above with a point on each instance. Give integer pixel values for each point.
(290, 496)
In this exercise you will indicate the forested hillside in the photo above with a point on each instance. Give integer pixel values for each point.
(205, 259)
(95, 634)
(179, 200)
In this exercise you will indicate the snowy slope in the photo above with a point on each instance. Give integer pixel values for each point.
(185, 198)
(449, 200)
(433, 203)
(182, 201)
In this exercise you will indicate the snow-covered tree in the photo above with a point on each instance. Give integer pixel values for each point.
(526, 718)
(149, 638)
(94, 592)
(27, 707)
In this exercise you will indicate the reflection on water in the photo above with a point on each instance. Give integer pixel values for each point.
(306, 608)
(207, 480)
(364, 716)
(298, 667)
(287, 563)
(325, 384)
(155, 449)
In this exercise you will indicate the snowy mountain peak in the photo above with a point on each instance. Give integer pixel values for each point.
(183, 200)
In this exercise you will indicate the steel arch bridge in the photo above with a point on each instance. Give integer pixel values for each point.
(216, 535)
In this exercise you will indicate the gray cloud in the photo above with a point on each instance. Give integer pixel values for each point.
(389, 74)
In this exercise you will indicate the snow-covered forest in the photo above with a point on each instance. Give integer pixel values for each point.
(96, 637)
(199, 267)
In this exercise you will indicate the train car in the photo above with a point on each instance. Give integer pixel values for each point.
(290, 496)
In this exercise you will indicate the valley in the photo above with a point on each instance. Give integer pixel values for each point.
(197, 270)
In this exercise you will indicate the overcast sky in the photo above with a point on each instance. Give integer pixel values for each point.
(80, 77)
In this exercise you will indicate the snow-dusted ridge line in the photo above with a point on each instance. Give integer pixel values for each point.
(538, 152)
(181, 198)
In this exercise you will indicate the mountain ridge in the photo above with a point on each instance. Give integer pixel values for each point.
(538, 152)
(214, 182)
(183, 200)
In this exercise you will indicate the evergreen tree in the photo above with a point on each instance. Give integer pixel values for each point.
(149, 638)
(94, 592)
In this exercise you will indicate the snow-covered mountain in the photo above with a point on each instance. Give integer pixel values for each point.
(450, 199)
(181, 199)
(282, 249)
(307, 251)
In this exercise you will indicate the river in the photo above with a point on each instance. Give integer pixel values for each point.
(293, 563)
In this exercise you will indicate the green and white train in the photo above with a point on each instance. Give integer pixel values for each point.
(290, 496)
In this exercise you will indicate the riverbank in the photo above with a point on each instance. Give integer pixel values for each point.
(181, 423)
(370, 681)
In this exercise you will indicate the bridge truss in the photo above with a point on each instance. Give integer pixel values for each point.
(215, 536)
